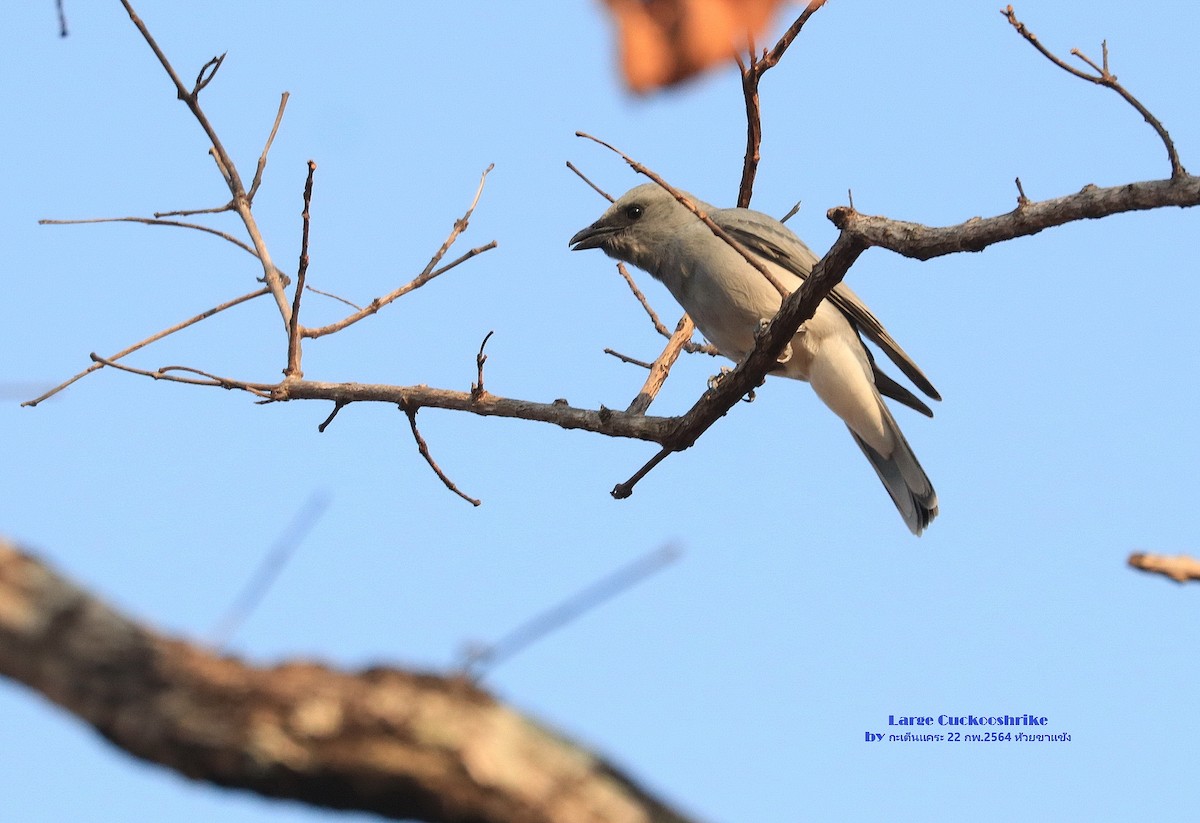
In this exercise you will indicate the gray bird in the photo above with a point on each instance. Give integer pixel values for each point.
(729, 300)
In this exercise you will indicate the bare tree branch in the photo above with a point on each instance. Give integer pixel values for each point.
(400, 744)
(100, 363)
(1102, 77)
(752, 71)
(423, 448)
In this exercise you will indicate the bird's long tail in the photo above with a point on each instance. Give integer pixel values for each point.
(903, 477)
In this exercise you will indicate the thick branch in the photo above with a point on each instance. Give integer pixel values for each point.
(560, 413)
(924, 242)
(400, 744)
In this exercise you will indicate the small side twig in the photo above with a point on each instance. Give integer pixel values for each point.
(421, 279)
(641, 298)
(295, 351)
(101, 362)
(477, 390)
(423, 448)
(1102, 77)
(262, 159)
(314, 290)
(62, 19)
(337, 407)
(1022, 200)
(624, 358)
(595, 188)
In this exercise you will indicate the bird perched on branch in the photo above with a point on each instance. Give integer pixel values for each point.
(730, 300)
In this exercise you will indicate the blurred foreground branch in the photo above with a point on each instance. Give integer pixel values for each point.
(400, 744)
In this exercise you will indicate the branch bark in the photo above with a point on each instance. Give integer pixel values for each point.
(401, 744)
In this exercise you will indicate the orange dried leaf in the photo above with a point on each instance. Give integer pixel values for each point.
(665, 41)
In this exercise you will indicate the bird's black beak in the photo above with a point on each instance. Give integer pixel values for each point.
(593, 237)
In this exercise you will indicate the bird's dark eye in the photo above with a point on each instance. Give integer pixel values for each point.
(633, 212)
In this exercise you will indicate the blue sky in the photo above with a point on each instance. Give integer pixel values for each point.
(741, 681)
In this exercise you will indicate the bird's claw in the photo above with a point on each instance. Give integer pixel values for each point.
(716, 379)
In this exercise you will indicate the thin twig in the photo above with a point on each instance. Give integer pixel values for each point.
(206, 74)
(99, 364)
(262, 158)
(623, 490)
(423, 448)
(752, 73)
(624, 358)
(225, 163)
(479, 658)
(1022, 200)
(337, 407)
(190, 212)
(258, 389)
(595, 188)
(295, 351)
(641, 298)
(421, 279)
(1103, 77)
(792, 212)
(354, 306)
(477, 390)
(269, 568)
(62, 19)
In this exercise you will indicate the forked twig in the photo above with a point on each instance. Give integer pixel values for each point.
(421, 279)
(100, 363)
(752, 71)
(1102, 77)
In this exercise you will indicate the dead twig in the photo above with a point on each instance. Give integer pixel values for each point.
(294, 349)
(595, 188)
(224, 161)
(423, 448)
(337, 407)
(624, 358)
(421, 279)
(262, 158)
(662, 366)
(752, 71)
(191, 321)
(1102, 77)
(477, 390)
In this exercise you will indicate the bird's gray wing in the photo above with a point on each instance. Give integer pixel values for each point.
(771, 240)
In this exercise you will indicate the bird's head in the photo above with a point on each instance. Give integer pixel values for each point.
(638, 226)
